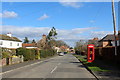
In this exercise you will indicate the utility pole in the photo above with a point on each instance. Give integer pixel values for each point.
(114, 24)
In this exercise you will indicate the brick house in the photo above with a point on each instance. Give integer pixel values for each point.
(43, 42)
(108, 40)
(94, 41)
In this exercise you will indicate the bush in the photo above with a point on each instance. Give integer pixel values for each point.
(31, 54)
(28, 54)
(5, 54)
(47, 52)
(77, 52)
(11, 51)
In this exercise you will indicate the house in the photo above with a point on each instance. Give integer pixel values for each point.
(57, 49)
(108, 40)
(43, 42)
(29, 45)
(64, 48)
(94, 41)
(8, 41)
(61, 49)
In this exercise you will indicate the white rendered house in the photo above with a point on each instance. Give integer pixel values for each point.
(7, 41)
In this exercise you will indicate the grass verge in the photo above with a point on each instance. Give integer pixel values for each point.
(92, 66)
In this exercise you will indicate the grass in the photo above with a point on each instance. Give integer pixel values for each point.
(92, 66)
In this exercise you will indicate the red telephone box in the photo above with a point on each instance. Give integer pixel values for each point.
(91, 53)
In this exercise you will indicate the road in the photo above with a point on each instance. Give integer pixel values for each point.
(66, 66)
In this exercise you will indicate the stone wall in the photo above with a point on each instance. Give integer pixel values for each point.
(11, 60)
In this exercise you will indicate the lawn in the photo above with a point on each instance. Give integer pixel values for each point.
(94, 66)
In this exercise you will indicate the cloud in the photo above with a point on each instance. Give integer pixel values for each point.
(75, 31)
(81, 30)
(8, 14)
(25, 31)
(45, 16)
(22, 31)
(73, 4)
(69, 36)
(100, 34)
(92, 21)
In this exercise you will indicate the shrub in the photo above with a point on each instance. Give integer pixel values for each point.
(29, 54)
(5, 54)
(47, 52)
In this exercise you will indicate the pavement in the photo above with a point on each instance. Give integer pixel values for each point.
(63, 67)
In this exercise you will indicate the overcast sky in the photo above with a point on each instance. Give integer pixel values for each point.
(73, 21)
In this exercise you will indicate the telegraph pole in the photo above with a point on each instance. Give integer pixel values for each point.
(114, 24)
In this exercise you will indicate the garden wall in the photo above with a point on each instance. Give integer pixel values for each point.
(11, 60)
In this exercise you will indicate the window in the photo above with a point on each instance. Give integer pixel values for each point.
(10, 43)
(18, 44)
(1, 43)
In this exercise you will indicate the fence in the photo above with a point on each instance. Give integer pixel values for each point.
(108, 54)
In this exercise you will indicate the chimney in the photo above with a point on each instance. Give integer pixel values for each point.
(95, 38)
(44, 37)
(9, 34)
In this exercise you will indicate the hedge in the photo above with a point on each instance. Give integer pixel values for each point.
(31, 54)
(47, 52)
(28, 54)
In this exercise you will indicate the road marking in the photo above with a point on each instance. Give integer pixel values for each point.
(20, 68)
(53, 69)
(23, 67)
(59, 63)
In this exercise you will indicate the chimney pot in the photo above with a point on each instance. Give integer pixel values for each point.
(9, 34)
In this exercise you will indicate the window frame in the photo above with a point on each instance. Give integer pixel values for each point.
(10, 43)
(1, 42)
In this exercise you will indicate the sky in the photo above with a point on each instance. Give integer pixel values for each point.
(73, 21)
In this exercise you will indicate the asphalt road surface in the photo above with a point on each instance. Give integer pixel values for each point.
(66, 66)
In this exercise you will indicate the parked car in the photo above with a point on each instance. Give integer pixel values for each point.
(61, 54)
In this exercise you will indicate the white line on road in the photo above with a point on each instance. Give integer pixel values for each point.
(59, 63)
(20, 68)
(53, 69)
(24, 66)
